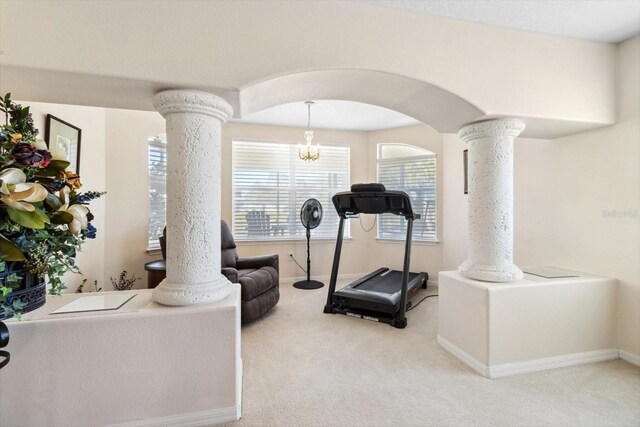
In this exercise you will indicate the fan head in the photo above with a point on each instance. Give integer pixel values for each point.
(311, 214)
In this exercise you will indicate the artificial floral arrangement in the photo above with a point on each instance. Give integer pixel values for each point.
(44, 218)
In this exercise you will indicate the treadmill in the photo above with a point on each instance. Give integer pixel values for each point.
(384, 294)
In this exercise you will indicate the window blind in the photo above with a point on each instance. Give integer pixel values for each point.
(270, 184)
(157, 189)
(416, 176)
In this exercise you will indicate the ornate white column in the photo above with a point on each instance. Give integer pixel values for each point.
(194, 121)
(490, 172)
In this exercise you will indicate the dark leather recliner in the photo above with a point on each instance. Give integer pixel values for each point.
(258, 277)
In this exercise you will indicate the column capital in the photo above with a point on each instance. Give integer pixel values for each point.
(192, 101)
(493, 127)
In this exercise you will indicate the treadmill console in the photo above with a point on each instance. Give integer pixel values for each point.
(372, 198)
(372, 186)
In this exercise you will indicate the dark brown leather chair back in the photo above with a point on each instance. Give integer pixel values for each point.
(229, 253)
(163, 243)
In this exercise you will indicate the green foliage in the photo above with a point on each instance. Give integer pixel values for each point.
(15, 309)
(55, 167)
(11, 282)
(36, 219)
(10, 251)
(61, 218)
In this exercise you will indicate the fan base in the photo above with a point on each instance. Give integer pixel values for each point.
(308, 284)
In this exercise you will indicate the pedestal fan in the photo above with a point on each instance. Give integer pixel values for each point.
(311, 217)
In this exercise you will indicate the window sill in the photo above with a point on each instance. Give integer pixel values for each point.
(288, 241)
(413, 242)
(266, 242)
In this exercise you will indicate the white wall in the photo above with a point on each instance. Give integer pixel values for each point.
(454, 204)
(425, 257)
(586, 178)
(577, 200)
(127, 149)
(92, 170)
(626, 138)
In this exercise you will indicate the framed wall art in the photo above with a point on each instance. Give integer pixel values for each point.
(465, 162)
(63, 141)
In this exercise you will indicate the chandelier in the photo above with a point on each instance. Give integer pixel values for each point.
(309, 152)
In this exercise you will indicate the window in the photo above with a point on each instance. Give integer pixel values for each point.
(412, 170)
(270, 184)
(157, 188)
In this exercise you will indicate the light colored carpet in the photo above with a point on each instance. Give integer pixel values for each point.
(306, 368)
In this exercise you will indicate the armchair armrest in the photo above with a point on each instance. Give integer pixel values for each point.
(231, 274)
(258, 261)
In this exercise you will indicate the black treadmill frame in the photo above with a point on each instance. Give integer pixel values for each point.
(375, 200)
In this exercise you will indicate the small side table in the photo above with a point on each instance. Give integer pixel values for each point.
(157, 271)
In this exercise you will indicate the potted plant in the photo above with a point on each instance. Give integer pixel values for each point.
(44, 218)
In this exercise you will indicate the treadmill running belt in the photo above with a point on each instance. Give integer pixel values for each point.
(388, 282)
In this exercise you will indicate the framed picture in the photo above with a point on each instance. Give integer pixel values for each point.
(63, 141)
(465, 162)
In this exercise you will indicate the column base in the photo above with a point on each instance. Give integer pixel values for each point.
(490, 273)
(179, 294)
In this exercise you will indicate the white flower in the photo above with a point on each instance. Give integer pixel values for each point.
(40, 144)
(17, 193)
(79, 213)
(11, 176)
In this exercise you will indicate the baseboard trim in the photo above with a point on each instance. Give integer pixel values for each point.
(629, 357)
(463, 356)
(508, 369)
(193, 419)
(240, 389)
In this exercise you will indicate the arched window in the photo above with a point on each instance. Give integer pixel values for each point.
(413, 170)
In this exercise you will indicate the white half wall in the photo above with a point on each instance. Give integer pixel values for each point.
(141, 365)
(527, 325)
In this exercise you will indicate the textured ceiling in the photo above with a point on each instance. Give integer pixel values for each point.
(609, 21)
